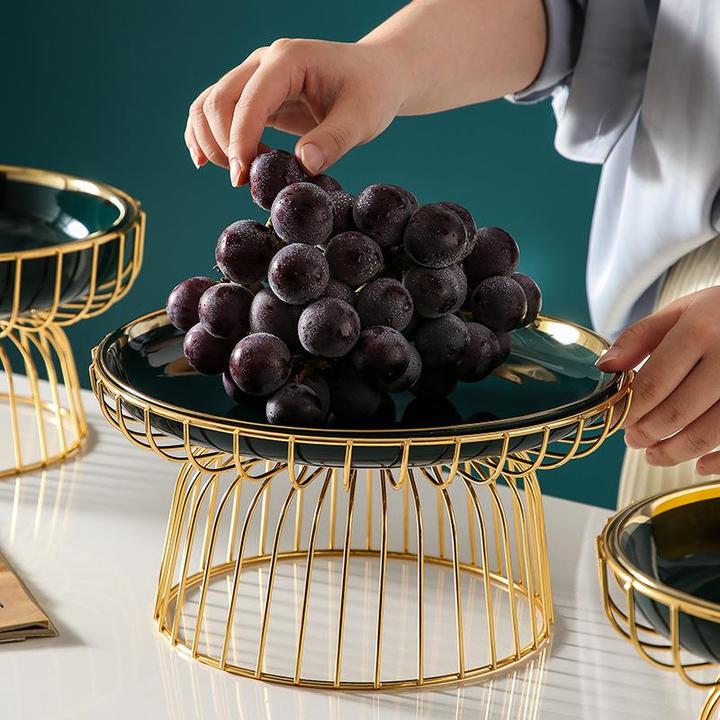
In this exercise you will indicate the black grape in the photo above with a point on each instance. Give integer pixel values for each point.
(224, 310)
(270, 172)
(353, 258)
(353, 398)
(442, 341)
(260, 364)
(269, 314)
(317, 382)
(295, 404)
(341, 291)
(408, 378)
(342, 203)
(435, 236)
(411, 328)
(182, 303)
(495, 253)
(381, 354)
(499, 303)
(204, 352)
(382, 211)
(481, 354)
(434, 383)
(505, 345)
(329, 328)
(303, 213)
(468, 221)
(436, 292)
(430, 412)
(233, 391)
(298, 274)
(533, 295)
(328, 183)
(385, 302)
(397, 261)
(244, 250)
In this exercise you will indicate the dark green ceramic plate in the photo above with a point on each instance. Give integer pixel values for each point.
(677, 546)
(550, 375)
(45, 214)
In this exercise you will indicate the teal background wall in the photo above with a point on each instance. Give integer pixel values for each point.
(102, 90)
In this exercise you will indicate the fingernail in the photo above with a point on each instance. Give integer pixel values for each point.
(234, 172)
(194, 158)
(312, 158)
(612, 354)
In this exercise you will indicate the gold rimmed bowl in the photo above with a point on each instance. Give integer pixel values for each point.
(69, 247)
(548, 390)
(660, 577)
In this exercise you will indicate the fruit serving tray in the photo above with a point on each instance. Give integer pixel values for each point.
(660, 578)
(295, 555)
(549, 381)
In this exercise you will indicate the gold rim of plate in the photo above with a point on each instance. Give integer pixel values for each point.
(585, 338)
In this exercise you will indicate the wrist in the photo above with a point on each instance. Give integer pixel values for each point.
(394, 65)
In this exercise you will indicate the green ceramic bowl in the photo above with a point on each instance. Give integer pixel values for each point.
(672, 544)
(45, 216)
(550, 375)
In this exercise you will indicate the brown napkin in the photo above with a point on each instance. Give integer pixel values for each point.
(20, 615)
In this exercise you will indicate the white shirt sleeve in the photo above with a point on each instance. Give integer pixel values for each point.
(635, 86)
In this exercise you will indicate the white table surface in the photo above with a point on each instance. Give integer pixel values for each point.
(86, 537)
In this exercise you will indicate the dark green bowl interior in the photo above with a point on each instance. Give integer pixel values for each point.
(680, 549)
(554, 377)
(35, 216)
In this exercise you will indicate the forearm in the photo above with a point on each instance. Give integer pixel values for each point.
(458, 52)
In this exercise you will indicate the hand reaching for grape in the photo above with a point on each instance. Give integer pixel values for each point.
(432, 55)
(675, 412)
(333, 95)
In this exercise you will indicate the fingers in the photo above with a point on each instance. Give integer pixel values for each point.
(671, 362)
(699, 438)
(685, 404)
(193, 146)
(340, 131)
(640, 339)
(202, 133)
(709, 464)
(219, 103)
(272, 83)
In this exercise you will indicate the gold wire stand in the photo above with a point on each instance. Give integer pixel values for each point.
(47, 424)
(454, 589)
(620, 587)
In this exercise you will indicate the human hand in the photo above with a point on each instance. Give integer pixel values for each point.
(334, 95)
(675, 411)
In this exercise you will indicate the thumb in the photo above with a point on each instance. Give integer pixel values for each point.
(339, 132)
(640, 339)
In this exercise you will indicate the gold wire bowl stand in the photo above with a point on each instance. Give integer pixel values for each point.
(46, 423)
(621, 585)
(393, 578)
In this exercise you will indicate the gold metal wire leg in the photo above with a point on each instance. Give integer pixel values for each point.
(225, 550)
(712, 705)
(46, 423)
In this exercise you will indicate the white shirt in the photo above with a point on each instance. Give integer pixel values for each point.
(635, 86)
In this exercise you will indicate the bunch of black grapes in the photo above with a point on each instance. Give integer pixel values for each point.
(342, 300)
